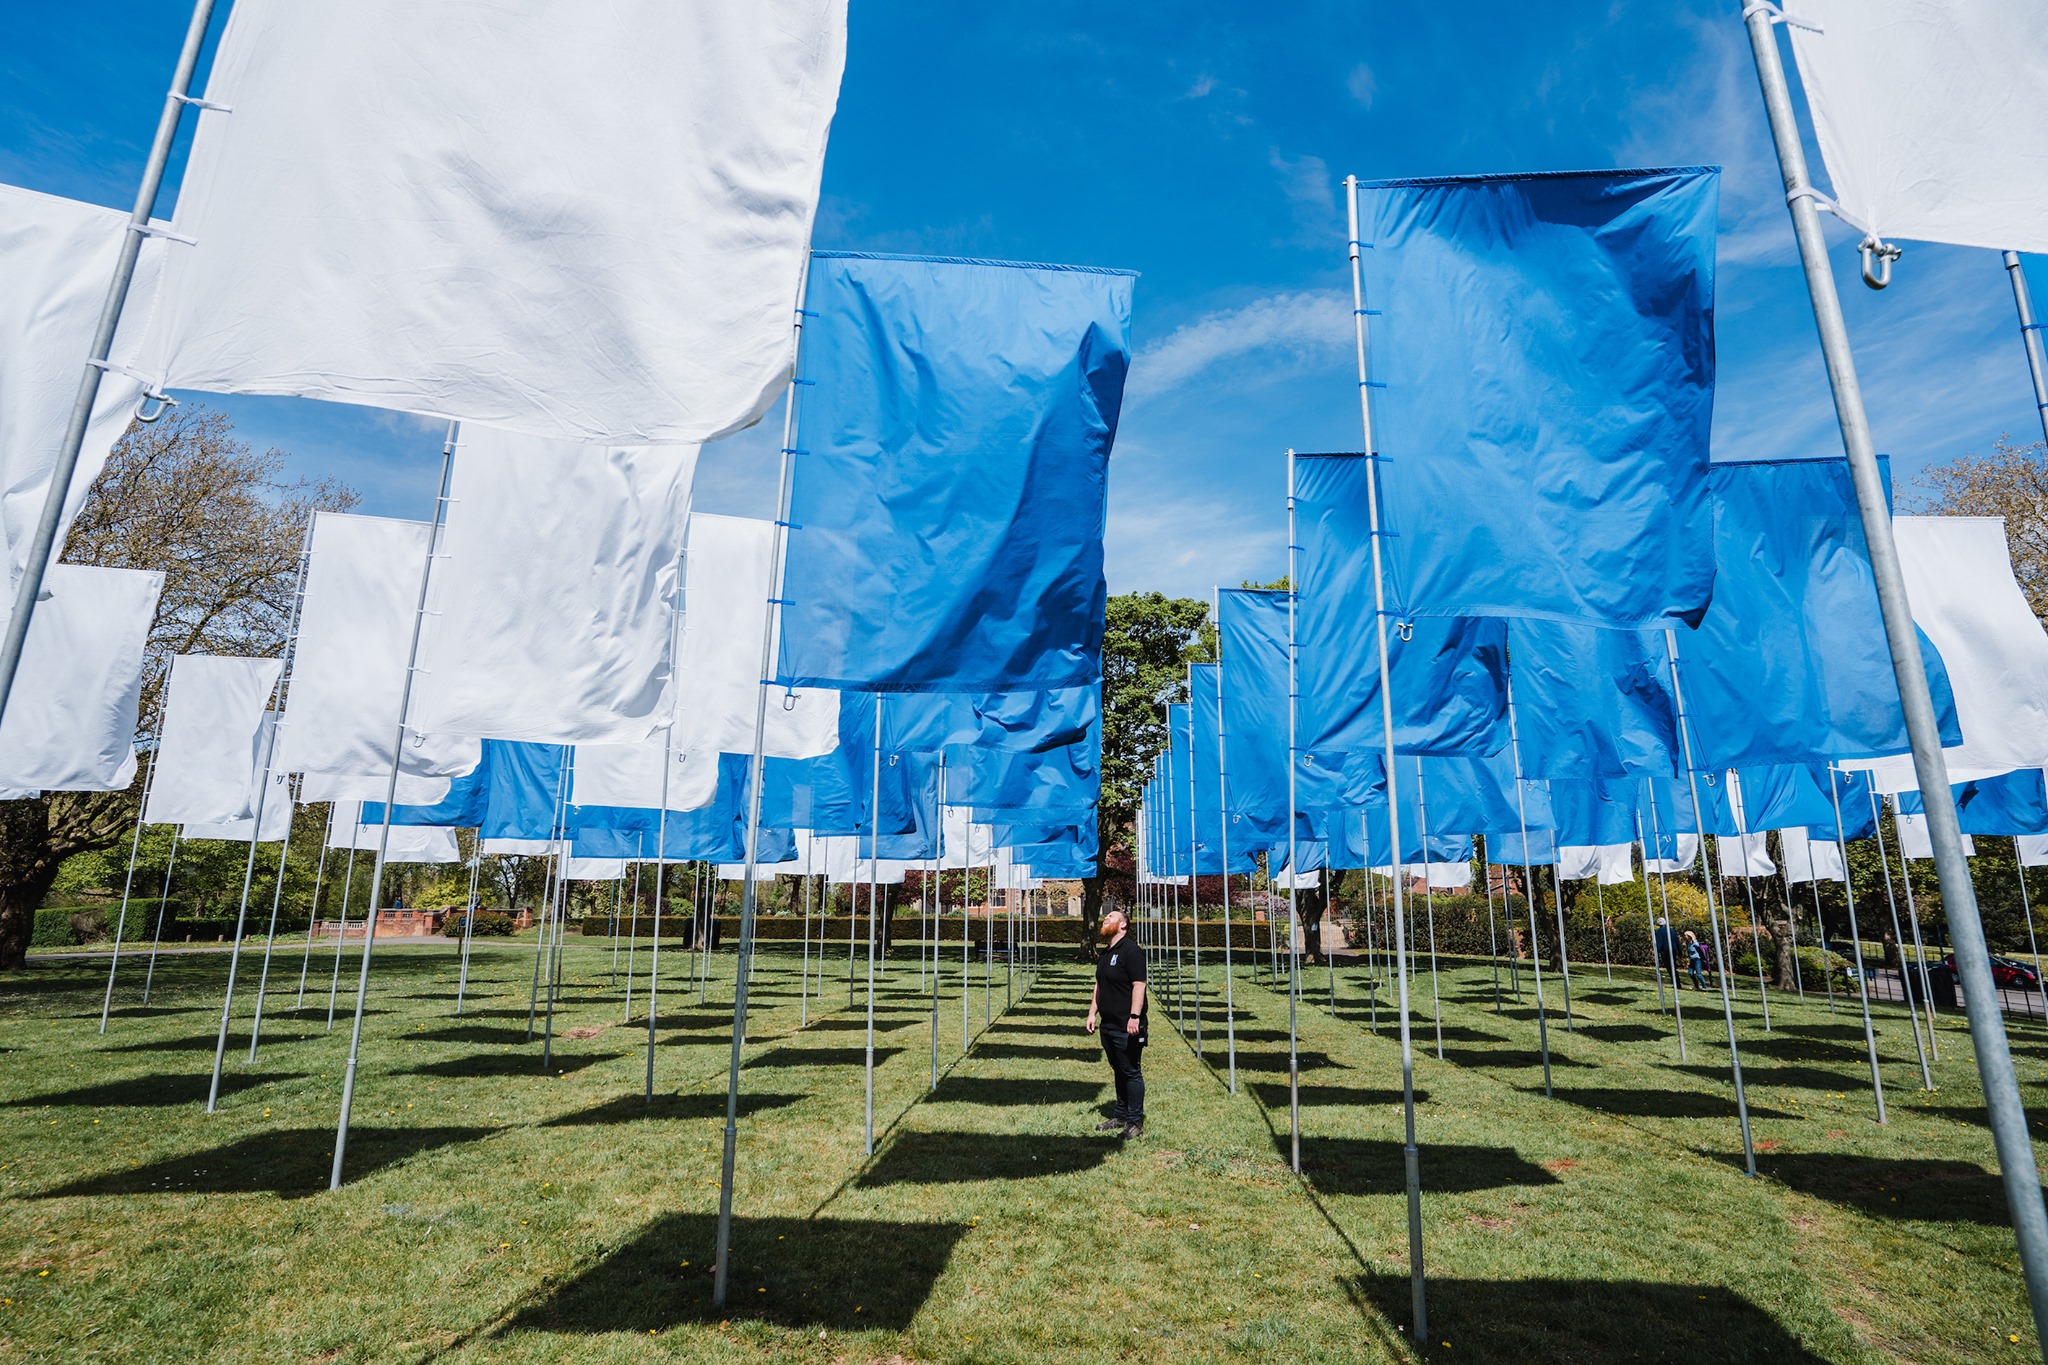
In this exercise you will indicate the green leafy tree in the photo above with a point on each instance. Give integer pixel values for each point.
(1148, 642)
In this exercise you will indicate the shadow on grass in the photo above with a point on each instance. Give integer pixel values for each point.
(292, 1163)
(821, 1056)
(1274, 1096)
(832, 1273)
(151, 1090)
(1624, 1033)
(1020, 1091)
(1508, 1058)
(475, 1035)
(958, 1158)
(1664, 1104)
(206, 1043)
(1791, 1077)
(489, 1065)
(1921, 1189)
(634, 1108)
(882, 1024)
(1376, 1166)
(1595, 1321)
(1277, 1061)
(1083, 1049)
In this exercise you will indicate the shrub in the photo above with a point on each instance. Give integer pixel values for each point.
(52, 929)
(489, 924)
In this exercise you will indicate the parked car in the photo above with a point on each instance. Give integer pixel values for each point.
(2008, 973)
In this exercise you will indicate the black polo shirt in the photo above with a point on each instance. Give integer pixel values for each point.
(1116, 967)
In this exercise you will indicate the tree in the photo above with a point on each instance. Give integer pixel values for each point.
(183, 496)
(2011, 482)
(1148, 641)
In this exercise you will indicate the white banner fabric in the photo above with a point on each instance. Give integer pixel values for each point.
(1688, 849)
(1928, 115)
(554, 593)
(1449, 876)
(629, 775)
(727, 583)
(528, 848)
(1744, 855)
(593, 869)
(1809, 860)
(56, 260)
(348, 665)
(1959, 580)
(412, 791)
(70, 725)
(1915, 842)
(964, 844)
(206, 758)
(588, 222)
(1617, 864)
(1576, 862)
(277, 802)
(408, 843)
(2033, 850)
(1287, 879)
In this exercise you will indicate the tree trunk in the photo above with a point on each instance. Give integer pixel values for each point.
(1091, 915)
(28, 865)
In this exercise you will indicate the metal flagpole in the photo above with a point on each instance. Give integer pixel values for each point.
(1856, 944)
(1756, 939)
(2030, 336)
(1664, 901)
(412, 659)
(220, 1046)
(1529, 892)
(313, 915)
(938, 865)
(618, 898)
(1429, 901)
(803, 993)
(469, 910)
(1293, 859)
(1409, 1148)
(1223, 828)
(1713, 915)
(121, 925)
(1891, 897)
(558, 851)
(874, 871)
(284, 850)
(668, 763)
(1973, 955)
(2027, 908)
(1919, 947)
(756, 767)
(348, 881)
(163, 902)
(1820, 926)
(1492, 937)
(1564, 955)
(1600, 908)
(1194, 842)
(43, 543)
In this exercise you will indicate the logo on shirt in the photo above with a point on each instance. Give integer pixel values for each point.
(1112, 959)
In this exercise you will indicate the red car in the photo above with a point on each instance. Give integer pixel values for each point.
(2007, 973)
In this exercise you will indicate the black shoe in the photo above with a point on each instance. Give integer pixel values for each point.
(1133, 1130)
(1108, 1124)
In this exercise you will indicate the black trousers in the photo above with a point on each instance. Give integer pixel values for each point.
(1126, 1053)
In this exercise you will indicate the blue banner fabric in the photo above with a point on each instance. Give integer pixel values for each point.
(1589, 812)
(526, 788)
(464, 807)
(1786, 795)
(2013, 803)
(1546, 351)
(1592, 703)
(1789, 664)
(930, 721)
(948, 504)
(1449, 676)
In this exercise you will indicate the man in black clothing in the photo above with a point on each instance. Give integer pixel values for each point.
(1119, 1004)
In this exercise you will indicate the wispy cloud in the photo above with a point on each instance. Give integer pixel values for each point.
(1311, 194)
(1277, 331)
(1204, 84)
(1362, 84)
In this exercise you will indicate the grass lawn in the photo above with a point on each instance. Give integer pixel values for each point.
(498, 1213)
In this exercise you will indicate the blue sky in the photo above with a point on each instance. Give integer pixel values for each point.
(1204, 145)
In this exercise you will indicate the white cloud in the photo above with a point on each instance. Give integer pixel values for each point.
(1203, 85)
(1305, 180)
(1362, 84)
(1280, 330)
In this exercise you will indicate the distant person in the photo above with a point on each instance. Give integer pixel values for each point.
(1119, 1004)
(1667, 945)
(1695, 959)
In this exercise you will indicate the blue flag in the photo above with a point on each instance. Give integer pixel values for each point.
(948, 504)
(1789, 664)
(2012, 803)
(1449, 676)
(1593, 812)
(1592, 703)
(1546, 346)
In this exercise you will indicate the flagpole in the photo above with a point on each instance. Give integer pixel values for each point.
(121, 925)
(1223, 821)
(1409, 1149)
(2030, 336)
(2007, 1112)
(756, 770)
(43, 543)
